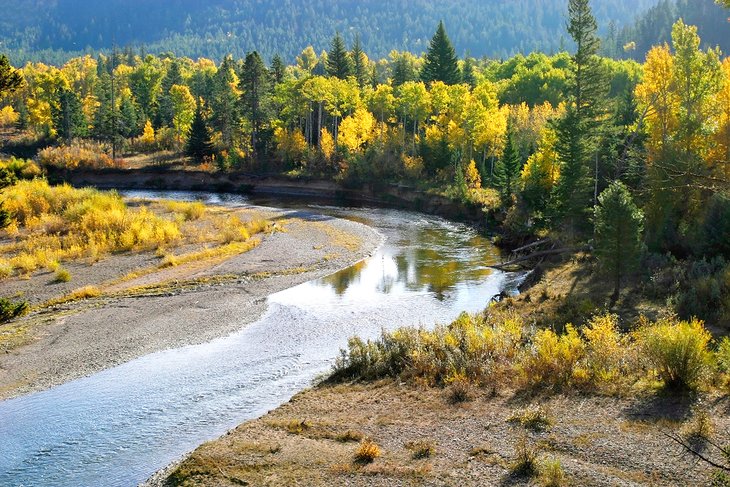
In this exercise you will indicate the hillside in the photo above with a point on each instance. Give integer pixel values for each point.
(49, 29)
(655, 27)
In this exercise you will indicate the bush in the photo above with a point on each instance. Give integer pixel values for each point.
(62, 275)
(552, 474)
(421, 449)
(367, 452)
(12, 309)
(552, 358)
(80, 154)
(534, 417)
(678, 351)
(525, 462)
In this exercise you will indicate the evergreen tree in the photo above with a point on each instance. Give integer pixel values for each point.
(619, 224)
(467, 72)
(129, 125)
(359, 63)
(165, 111)
(578, 129)
(199, 144)
(10, 79)
(68, 117)
(339, 63)
(403, 71)
(507, 170)
(441, 61)
(277, 71)
(255, 90)
(224, 101)
(106, 120)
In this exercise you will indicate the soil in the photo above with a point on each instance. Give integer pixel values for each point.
(313, 440)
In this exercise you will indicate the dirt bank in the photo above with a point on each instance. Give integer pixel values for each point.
(183, 305)
(316, 435)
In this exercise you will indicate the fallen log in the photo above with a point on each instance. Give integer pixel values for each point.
(532, 245)
(534, 255)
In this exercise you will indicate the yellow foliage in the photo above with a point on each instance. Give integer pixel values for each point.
(55, 223)
(291, 146)
(327, 144)
(412, 165)
(148, 134)
(357, 129)
(8, 116)
(472, 176)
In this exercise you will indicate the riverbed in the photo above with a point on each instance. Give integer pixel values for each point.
(118, 426)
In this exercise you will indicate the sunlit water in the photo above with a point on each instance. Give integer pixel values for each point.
(116, 427)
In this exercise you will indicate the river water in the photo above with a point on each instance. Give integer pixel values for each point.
(117, 427)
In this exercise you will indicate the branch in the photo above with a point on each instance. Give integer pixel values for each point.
(534, 255)
(688, 447)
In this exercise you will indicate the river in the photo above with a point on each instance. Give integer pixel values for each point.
(117, 427)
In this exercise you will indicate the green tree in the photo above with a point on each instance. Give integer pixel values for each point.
(577, 129)
(224, 102)
(277, 71)
(10, 79)
(619, 224)
(507, 171)
(339, 63)
(441, 62)
(359, 63)
(199, 144)
(68, 117)
(166, 110)
(254, 95)
(467, 72)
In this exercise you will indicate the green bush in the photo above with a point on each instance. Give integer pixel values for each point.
(678, 351)
(12, 309)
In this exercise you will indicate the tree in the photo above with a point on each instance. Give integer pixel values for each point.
(254, 94)
(578, 128)
(183, 110)
(619, 224)
(68, 116)
(224, 102)
(359, 63)
(199, 144)
(441, 62)
(339, 63)
(277, 71)
(508, 168)
(166, 110)
(10, 79)
(467, 72)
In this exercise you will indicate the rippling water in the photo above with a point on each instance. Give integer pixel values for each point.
(116, 427)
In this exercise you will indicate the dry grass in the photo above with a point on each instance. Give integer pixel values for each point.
(534, 417)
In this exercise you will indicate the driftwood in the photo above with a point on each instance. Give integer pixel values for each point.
(693, 451)
(532, 245)
(534, 255)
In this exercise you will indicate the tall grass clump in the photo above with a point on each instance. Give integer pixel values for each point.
(56, 223)
(678, 351)
(82, 154)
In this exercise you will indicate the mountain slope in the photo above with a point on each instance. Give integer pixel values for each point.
(495, 28)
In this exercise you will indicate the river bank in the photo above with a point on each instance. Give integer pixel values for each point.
(180, 306)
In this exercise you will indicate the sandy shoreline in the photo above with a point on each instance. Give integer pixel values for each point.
(195, 305)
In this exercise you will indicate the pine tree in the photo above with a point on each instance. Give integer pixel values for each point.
(165, 111)
(277, 71)
(467, 72)
(579, 127)
(254, 88)
(10, 79)
(441, 61)
(507, 171)
(619, 224)
(339, 63)
(106, 120)
(224, 101)
(199, 144)
(68, 117)
(359, 63)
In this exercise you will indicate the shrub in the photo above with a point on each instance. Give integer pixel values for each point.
(534, 417)
(349, 436)
(609, 353)
(552, 358)
(551, 473)
(421, 449)
(80, 154)
(678, 351)
(460, 390)
(12, 309)
(62, 275)
(367, 452)
(525, 462)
